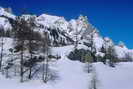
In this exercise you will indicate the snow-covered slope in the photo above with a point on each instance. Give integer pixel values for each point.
(50, 21)
(69, 74)
(5, 13)
(119, 77)
(124, 52)
(5, 24)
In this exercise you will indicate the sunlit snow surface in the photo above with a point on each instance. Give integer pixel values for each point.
(71, 75)
(120, 77)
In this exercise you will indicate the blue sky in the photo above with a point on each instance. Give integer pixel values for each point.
(114, 18)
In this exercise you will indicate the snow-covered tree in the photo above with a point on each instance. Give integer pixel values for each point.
(31, 42)
(46, 51)
(20, 42)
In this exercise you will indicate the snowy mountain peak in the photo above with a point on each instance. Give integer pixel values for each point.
(3, 12)
(27, 16)
(65, 32)
(122, 45)
(47, 19)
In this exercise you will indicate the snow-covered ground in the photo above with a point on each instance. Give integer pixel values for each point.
(70, 75)
(65, 50)
(120, 77)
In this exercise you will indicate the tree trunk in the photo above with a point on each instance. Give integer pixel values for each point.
(31, 58)
(21, 63)
(46, 70)
(1, 55)
(43, 70)
(45, 63)
(7, 76)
